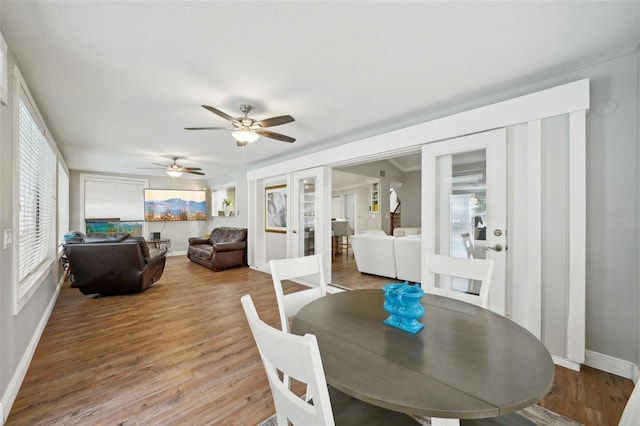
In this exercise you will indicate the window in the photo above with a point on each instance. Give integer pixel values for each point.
(63, 202)
(113, 198)
(36, 193)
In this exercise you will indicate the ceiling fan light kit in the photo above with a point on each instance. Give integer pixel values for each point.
(245, 136)
(174, 173)
(247, 130)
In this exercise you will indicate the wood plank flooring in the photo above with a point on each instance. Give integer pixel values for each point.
(182, 353)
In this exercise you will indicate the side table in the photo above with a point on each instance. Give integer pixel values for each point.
(164, 243)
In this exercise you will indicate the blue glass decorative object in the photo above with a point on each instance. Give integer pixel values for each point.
(410, 309)
(391, 302)
(402, 302)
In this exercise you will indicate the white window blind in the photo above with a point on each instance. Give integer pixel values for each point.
(113, 199)
(63, 203)
(37, 184)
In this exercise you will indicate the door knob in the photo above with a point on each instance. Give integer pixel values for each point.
(497, 247)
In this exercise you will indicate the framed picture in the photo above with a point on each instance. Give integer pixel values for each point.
(275, 208)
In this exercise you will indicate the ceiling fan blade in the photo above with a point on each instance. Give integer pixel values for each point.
(276, 121)
(208, 128)
(152, 168)
(218, 113)
(186, 169)
(193, 173)
(161, 165)
(274, 135)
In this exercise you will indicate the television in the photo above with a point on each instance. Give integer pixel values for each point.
(174, 204)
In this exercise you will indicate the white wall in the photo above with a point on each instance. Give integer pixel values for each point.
(637, 215)
(410, 194)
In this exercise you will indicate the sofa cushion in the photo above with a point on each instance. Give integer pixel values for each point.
(402, 232)
(203, 251)
(227, 235)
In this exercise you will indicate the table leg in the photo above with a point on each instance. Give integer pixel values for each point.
(436, 421)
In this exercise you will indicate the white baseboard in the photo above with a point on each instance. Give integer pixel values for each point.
(11, 392)
(563, 362)
(612, 365)
(176, 253)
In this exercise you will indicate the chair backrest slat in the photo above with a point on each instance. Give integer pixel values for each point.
(296, 267)
(472, 269)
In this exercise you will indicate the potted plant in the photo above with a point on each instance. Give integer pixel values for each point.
(226, 205)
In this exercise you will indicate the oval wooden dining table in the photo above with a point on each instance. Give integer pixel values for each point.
(467, 362)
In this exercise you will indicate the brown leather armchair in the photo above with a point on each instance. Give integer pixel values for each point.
(225, 248)
(113, 263)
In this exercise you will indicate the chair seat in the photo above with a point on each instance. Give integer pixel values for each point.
(351, 411)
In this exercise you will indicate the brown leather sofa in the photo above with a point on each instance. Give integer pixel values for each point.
(113, 263)
(225, 248)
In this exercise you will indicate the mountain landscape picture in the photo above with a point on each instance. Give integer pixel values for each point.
(174, 204)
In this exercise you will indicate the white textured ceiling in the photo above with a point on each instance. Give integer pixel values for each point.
(118, 81)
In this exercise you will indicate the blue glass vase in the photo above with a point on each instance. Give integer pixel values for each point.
(390, 305)
(410, 310)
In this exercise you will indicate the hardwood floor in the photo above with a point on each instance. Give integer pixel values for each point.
(182, 353)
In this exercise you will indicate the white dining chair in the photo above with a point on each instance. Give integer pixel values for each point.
(299, 357)
(468, 244)
(291, 268)
(479, 270)
(631, 413)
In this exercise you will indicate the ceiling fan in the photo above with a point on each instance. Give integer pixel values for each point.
(176, 170)
(245, 129)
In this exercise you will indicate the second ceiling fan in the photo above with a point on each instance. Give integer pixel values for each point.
(246, 129)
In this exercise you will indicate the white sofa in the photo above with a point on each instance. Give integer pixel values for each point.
(408, 253)
(374, 253)
(389, 256)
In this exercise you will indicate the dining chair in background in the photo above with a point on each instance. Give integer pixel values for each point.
(468, 244)
(299, 357)
(291, 268)
(479, 270)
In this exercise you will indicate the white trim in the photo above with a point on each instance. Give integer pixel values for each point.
(617, 366)
(13, 387)
(576, 323)
(563, 362)
(535, 106)
(534, 228)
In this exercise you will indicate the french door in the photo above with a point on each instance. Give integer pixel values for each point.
(464, 206)
(308, 213)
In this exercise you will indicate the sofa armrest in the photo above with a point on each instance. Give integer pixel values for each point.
(241, 245)
(156, 255)
(198, 240)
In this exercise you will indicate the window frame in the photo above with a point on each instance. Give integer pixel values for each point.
(24, 289)
(84, 177)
